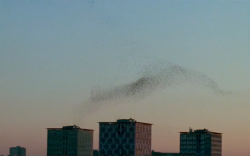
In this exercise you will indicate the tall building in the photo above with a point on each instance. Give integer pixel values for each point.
(171, 154)
(126, 137)
(17, 151)
(69, 141)
(95, 153)
(201, 142)
(164, 154)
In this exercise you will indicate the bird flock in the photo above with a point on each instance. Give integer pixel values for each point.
(153, 77)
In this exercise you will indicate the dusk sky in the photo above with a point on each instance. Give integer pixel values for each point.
(54, 53)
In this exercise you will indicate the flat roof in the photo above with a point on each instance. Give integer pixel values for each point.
(126, 122)
(130, 120)
(68, 129)
(201, 131)
(197, 133)
(73, 127)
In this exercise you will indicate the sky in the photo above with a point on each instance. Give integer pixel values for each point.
(53, 53)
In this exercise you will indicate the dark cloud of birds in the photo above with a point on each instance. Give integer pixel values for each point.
(153, 77)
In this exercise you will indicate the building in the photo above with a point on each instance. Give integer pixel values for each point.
(164, 154)
(170, 154)
(95, 153)
(126, 137)
(201, 142)
(17, 151)
(69, 141)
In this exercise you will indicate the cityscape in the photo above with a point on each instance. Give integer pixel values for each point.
(125, 137)
(124, 77)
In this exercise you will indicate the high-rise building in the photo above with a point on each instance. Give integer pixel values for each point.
(126, 137)
(69, 141)
(201, 142)
(17, 151)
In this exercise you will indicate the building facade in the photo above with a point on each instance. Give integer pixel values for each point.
(17, 151)
(201, 142)
(69, 141)
(126, 137)
(95, 153)
(164, 154)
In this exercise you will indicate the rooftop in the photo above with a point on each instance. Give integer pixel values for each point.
(206, 131)
(125, 121)
(17, 147)
(164, 154)
(73, 127)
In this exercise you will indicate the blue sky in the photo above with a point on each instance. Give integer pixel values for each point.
(52, 53)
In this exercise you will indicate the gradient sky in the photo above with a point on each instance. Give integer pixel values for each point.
(52, 54)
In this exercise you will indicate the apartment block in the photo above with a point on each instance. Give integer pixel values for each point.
(126, 137)
(69, 141)
(201, 142)
(17, 151)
